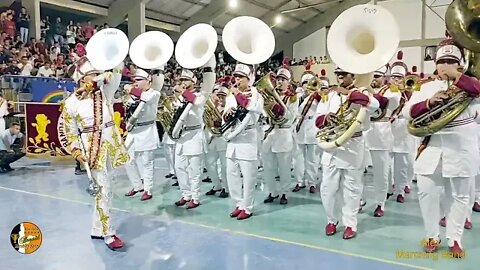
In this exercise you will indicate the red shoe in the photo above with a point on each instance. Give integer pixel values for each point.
(298, 188)
(407, 189)
(235, 212)
(400, 198)
(181, 202)
(349, 233)
(443, 222)
(116, 243)
(456, 251)
(313, 189)
(431, 245)
(468, 224)
(331, 229)
(378, 212)
(192, 204)
(146, 196)
(133, 192)
(476, 207)
(243, 215)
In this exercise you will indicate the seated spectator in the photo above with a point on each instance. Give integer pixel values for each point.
(45, 71)
(9, 151)
(25, 67)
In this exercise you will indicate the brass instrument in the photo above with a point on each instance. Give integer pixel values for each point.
(461, 18)
(167, 114)
(410, 83)
(211, 114)
(267, 88)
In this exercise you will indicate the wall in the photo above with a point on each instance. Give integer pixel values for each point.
(408, 14)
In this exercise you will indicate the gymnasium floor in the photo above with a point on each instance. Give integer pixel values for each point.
(162, 236)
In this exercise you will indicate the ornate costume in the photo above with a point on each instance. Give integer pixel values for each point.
(89, 124)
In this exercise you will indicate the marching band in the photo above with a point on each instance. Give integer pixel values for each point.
(379, 110)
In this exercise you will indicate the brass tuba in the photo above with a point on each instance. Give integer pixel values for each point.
(267, 88)
(359, 34)
(461, 19)
(166, 112)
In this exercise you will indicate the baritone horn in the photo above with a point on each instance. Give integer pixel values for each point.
(107, 48)
(361, 40)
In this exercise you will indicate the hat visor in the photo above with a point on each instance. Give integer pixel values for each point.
(239, 73)
(448, 57)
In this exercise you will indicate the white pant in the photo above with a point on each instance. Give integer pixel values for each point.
(101, 221)
(308, 161)
(402, 171)
(211, 163)
(477, 188)
(382, 162)
(277, 164)
(351, 181)
(169, 150)
(189, 169)
(139, 168)
(243, 199)
(457, 201)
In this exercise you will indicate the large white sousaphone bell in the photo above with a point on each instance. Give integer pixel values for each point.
(107, 48)
(363, 39)
(151, 50)
(196, 46)
(248, 40)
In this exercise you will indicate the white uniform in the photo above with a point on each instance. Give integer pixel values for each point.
(277, 152)
(343, 167)
(450, 162)
(216, 146)
(141, 142)
(190, 147)
(380, 142)
(169, 152)
(308, 153)
(242, 152)
(403, 155)
(101, 139)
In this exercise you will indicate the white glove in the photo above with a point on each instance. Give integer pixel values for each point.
(119, 66)
(212, 63)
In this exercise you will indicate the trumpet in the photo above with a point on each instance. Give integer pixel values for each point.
(410, 83)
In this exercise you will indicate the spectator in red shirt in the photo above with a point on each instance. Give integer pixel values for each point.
(9, 26)
(88, 30)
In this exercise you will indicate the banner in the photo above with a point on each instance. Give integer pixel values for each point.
(47, 90)
(45, 130)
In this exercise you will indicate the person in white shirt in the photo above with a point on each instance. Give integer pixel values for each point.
(9, 154)
(25, 66)
(45, 71)
(3, 111)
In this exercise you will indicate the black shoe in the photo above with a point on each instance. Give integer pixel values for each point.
(78, 171)
(175, 184)
(207, 180)
(277, 178)
(211, 192)
(389, 195)
(94, 237)
(174, 177)
(270, 199)
(223, 194)
(170, 175)
(283, 200)
(8, 168)
(204, 170)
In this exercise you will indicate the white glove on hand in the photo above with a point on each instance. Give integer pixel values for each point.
(212, 63)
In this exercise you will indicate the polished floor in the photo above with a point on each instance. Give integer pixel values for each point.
(162, 236)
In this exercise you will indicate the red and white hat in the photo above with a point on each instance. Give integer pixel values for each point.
(307, 74)
(83, 67)
(188, 75)
(141, 74)
(243, 70)
(381, 71)
(284, 71)
(448, 50)
(399, 68)
(324, 81)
